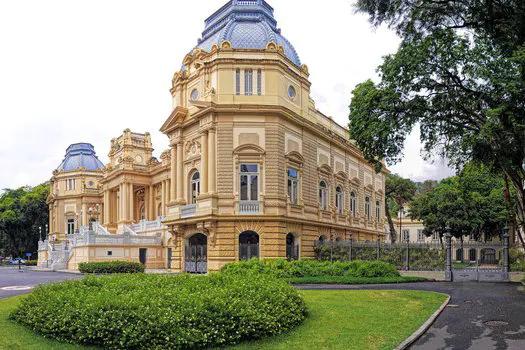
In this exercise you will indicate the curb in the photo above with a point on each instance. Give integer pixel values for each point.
(419, 332)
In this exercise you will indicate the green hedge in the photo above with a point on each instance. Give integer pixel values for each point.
(108, 267)
(312, 268)
(31, 263)
(516, 259)
(142, 311)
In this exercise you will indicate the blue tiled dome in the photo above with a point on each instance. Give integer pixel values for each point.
(80, 155)
(246, 24)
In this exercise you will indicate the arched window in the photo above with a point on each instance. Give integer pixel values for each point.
(292, 248)
(353, 203)
(339, 199)
(248, 245)
(367, 207)
(323, 195)
(472, 254)
(195, 187)
(459, 254)
(378, 210)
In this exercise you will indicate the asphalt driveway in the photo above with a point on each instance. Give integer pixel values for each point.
(479, 315)
(15, 282)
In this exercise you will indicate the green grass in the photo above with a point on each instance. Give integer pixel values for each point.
(343, 319)
(336, 320)
(354, 280)
(14, 336)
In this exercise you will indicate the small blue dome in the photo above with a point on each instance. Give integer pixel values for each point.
(246, 24)
(80, 155)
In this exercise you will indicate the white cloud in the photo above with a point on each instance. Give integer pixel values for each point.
(83, 71)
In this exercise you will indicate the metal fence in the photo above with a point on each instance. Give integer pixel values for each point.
(404, 256)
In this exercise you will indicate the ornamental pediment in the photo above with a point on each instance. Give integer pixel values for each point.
(176, 118)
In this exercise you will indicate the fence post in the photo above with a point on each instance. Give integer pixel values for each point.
(350, 249)
(407, 265)
(448, 257)
(506, 266)
(378, 246)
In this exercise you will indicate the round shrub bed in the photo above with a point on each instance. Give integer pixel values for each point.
(143, 311)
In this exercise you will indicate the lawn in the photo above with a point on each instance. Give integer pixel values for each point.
(336, 320)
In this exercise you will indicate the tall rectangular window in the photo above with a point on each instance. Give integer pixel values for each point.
(70, 226)
(249, 182)
(293, 186)
(420, 235)
(406, 235)
(378, 210)
(259, 82)
(70, 184)
(367, 207)
(248, 82)
(238, 82)
(353, 203)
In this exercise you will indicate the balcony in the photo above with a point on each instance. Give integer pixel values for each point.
(249, 207)
(188, 211)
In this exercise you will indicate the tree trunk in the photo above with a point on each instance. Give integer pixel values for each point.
(517, 182)
(390, 223)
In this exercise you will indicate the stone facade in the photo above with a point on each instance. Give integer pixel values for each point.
(253, 169)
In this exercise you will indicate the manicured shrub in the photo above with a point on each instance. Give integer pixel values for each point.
(143, 311)
(30, 263)
(311, 268)
(108, 267)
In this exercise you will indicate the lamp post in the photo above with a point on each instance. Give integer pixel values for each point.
(46, 235)
(39, 233)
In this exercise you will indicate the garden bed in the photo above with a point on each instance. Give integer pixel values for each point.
(354, 280)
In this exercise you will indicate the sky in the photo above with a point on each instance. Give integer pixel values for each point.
(84, 70)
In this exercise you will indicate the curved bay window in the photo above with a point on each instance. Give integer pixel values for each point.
(353, 203)
(293, 186)
(248, 245)
(339, 199)
(195, 188)
(323, 195)
(367, 207)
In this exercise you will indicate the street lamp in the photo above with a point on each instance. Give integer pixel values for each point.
(39, 233)
(400, 219)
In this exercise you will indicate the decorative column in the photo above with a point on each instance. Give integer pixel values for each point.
(163, 197)
(151, 203)
(180, 164)
(212, 174)
(173, 174)
(106, 207)
(84, 215)
(131, 201)
(204, 162)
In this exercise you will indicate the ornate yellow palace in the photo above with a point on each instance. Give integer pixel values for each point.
(253, 169)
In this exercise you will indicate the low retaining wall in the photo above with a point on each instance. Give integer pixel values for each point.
(516, 276)
(436, 275)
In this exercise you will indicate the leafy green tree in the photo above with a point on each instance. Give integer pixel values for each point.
(472, 202)
(22, 211)
(458, 75)
(398, 191)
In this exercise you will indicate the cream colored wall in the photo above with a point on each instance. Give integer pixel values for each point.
(155, 258)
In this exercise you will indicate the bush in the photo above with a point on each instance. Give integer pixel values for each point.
(107, 267)
(516, 259)
(311, 268)
(143, 311)
(30, 263)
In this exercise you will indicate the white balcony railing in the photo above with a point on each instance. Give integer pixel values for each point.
(188, 211)
(249, 207)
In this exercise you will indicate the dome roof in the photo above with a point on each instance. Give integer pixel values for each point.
(80, 155)
(246, 24)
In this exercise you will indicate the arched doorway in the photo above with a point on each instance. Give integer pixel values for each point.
(248, 245)
(292, 248)
(196, 254)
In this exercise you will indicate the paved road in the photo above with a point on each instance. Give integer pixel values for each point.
(479, 315)
(23, 281)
